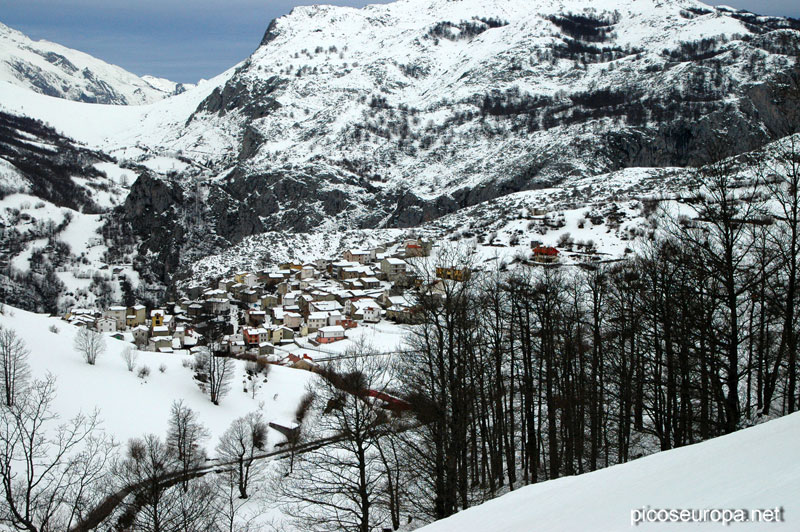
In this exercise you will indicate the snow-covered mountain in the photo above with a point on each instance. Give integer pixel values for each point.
(55, 70)
(746, 470)
(399, 114)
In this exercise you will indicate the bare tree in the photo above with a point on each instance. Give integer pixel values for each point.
(395, 477)
(779, 171)
(220, 372)
(437, 374)
(337, 486)
(90, 344)
(160, 504)
(130, 356)
(214, 374)
(50, 474)
(253, 380)
(295, 437)
(239, 444)
(720, 235)
(234, 514)
(13, 365)
(185, 438)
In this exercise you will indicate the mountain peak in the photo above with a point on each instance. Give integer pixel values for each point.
(55, 70)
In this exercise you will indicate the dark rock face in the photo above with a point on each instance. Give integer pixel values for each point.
(34, 75)
(60, 61)
(271, 34)
(254, 102)
(291, 199)
(151, 198)
(251, 142)
(154, 211)
(762, 119)
(172, 226)
(98, 90)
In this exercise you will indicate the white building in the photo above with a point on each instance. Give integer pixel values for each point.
(119, 314)
(140, 335)
(106, 325)
(308, 272)
(293, 320)
(372, 314)
(317, 320)
(393, 267)
(330, 334)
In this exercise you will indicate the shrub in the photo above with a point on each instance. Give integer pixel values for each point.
(144, 372)
(162, 368)
(565, 240)
(53, 329)
(90, 344)
(129, 356)
(303, 407)
(252, 368)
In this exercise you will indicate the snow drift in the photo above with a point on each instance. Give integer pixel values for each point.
(755, 468)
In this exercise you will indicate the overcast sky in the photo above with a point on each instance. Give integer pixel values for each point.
(185, 40)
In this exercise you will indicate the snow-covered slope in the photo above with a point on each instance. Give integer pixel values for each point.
(54, 70)
(112, 128)
(755, 468)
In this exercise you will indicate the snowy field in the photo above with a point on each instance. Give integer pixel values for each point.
(130, 406)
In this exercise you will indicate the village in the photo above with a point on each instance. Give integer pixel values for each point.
(272, 315)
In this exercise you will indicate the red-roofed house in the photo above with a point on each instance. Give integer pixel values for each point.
(332, 333)
(545, 254)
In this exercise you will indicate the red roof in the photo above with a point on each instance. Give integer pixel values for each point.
(545, 250)
(393, 402)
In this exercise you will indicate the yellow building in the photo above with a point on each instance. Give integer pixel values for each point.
(137, 315)
(452, 273)
(157, 318)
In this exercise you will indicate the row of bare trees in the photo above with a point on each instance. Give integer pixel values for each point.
(529, 375)
(353, 477)
(171, 495)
